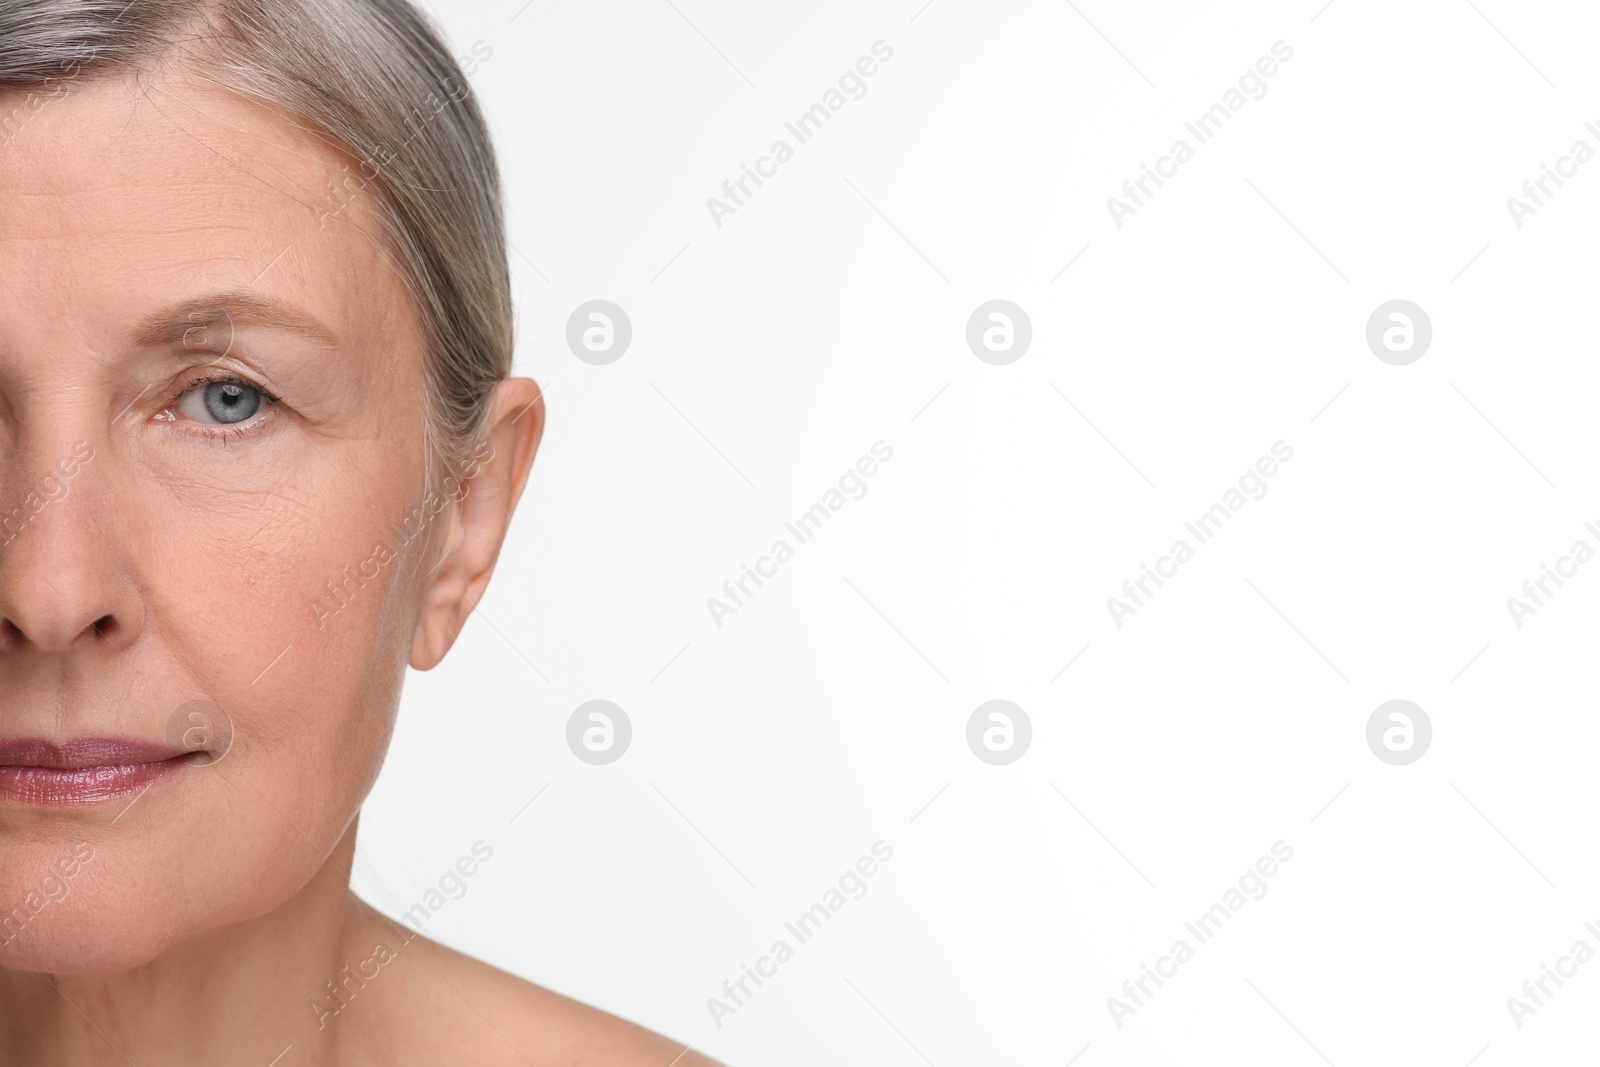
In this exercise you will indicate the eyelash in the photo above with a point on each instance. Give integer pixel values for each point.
(221, 433)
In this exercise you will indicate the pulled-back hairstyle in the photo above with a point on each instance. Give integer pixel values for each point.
(374, 80)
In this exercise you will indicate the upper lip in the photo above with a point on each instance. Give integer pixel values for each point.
(82, 752)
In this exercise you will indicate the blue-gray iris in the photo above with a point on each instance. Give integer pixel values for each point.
(232, 401)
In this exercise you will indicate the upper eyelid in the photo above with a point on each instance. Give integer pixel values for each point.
(226, 359)
(200, 378)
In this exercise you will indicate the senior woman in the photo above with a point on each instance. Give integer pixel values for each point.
(255, 339)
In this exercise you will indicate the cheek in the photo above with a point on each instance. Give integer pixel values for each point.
(291, 612)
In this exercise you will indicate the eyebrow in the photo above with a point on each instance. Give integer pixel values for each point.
(230, 308)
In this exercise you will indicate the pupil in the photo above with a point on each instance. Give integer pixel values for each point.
(231, 402)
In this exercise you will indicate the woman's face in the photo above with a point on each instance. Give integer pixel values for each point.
(170, 535)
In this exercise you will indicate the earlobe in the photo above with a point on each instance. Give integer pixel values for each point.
(482, 503)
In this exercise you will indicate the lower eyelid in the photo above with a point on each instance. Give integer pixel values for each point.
(253, 424)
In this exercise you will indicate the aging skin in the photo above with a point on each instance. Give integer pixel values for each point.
(160, 238)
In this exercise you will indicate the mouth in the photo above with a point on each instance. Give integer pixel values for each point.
(88, 770)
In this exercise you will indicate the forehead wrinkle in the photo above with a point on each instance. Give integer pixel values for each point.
(223, 156)
(360, 218)
(331, 146)
(108, 242)
(296, 123)
(171, 312)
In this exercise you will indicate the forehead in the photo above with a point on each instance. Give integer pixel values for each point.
(126, 195)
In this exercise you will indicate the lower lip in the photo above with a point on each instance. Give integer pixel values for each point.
(83, 785)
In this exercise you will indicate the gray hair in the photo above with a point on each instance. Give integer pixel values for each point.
(373, 78)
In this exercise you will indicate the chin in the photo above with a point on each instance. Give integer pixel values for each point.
(66, 946)
(74, 907)
(81, 925)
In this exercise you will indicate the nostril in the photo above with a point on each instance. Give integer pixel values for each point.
(105, 626)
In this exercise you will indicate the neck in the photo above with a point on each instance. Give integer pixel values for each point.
(241, 994)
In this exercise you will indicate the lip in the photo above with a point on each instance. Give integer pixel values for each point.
(85, 770)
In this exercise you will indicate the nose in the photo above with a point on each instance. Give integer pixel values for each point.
(64, 580)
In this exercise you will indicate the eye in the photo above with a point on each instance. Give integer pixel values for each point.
(222, 403)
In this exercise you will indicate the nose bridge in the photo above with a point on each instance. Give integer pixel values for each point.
(64, 580)
(37, 479)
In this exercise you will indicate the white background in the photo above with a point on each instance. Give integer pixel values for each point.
(1227, 314)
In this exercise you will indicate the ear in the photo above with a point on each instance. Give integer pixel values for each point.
(481, 513)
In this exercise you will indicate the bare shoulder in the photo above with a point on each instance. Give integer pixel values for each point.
(451, 1008)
